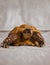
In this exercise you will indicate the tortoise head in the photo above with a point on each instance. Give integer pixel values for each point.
(38, 38)
(27, 33)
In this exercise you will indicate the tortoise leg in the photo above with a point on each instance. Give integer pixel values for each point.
(9, 40)
(37, 37)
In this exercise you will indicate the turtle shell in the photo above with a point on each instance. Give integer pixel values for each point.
(24, 35)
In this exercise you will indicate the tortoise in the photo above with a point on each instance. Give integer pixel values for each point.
(24, 35)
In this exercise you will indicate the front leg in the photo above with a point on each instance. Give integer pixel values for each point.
(9, 40)
(37, 39)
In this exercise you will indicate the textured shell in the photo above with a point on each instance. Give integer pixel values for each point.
(20, 35)
(22, 27)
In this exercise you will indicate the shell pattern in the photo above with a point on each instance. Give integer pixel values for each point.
(24, 35)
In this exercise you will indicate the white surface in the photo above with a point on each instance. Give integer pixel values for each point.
(16, 12)
(25, 55)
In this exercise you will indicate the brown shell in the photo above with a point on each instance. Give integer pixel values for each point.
(22, 27)
(24, 35)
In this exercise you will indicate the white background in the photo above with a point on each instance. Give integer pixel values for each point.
(16, 12)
